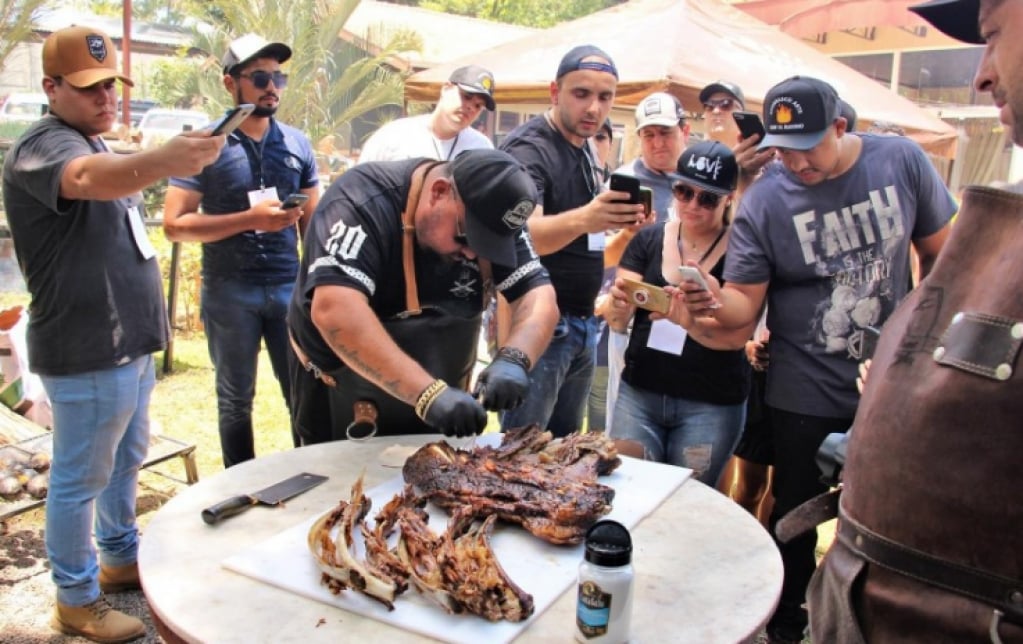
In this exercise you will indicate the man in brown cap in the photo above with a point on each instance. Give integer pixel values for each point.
(75, 213)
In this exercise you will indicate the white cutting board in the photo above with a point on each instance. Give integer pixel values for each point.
(541, 569)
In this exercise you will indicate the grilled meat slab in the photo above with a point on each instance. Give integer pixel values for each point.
(548, 486)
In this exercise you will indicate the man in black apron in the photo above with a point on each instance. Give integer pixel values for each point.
(397, 267)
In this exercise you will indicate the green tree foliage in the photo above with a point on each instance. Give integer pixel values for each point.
(16, 21)
(332, 79)
(531, 13)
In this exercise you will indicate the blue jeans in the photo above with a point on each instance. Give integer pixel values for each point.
(559, 383)
(688, 433)
(237, 316)
(100, 438)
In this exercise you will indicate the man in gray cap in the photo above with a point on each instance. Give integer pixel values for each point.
(250, 244)
(398, 265)
(445, 131)
(927, 544)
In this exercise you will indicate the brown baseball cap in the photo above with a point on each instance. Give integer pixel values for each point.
(82, 56)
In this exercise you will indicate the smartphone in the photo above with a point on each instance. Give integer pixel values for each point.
(692, 274)
(625, 183)
(646, 196)
(647, 296)
(233, 119)
(294, 200)
(749, 124)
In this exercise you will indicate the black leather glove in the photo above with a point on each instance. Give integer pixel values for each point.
(455, 413)
(502, 384)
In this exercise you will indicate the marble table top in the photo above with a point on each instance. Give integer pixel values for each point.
(706, 571)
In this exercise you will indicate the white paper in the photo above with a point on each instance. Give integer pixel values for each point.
(667, 336)
(596, 241)
(138, 231)
(258, 196)
(541, 569)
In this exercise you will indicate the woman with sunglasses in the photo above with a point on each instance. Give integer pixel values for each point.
(682, 398)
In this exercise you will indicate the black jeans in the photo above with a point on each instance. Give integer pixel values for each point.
(796, 479)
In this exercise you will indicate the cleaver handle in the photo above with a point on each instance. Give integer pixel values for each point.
(235, 505)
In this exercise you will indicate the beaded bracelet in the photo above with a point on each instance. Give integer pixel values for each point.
(429, 395)
(515, 356)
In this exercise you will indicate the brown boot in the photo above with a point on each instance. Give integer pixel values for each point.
(97, 621)
(119, 579)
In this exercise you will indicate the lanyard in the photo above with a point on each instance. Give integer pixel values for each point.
(257, 151)
(440, 152)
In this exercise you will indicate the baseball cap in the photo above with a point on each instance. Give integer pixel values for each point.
(250, 46)
(798, 112)
(499, 197)
(659, 108)
(955, 18)
(573, 61)
(710, 166)
(82, 56)
(475, 80)
(728, 87)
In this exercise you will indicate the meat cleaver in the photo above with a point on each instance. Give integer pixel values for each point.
(273, 495)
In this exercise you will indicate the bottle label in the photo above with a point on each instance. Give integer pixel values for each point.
(593, 610)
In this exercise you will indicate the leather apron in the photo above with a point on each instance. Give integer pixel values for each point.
(932, 477)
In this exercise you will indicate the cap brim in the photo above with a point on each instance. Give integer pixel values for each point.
(487, 98)
(954, 18)
(663, 122)
(801, 142)
(89, 77)
(714, 88)
(701, 185)
(499, 249)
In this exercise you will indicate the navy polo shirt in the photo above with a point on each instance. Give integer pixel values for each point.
(283, 159)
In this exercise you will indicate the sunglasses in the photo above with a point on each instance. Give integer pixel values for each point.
(723, 104)
(261, 79)
(704, 199)
(460, 237)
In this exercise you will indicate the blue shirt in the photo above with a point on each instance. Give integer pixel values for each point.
(283, 159)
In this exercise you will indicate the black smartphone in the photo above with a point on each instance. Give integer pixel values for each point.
(294, 200)
(646, 195)
(625, 183)
(749, 124)
(233, 119)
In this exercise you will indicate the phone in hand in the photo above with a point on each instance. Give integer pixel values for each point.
(646, 197)
(647, 296)
(692, 274)
(749, 124)
(294, 200)
(625, 183)
(233, 119)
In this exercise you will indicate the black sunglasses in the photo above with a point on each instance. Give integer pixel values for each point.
(704, 199)
(261, 79)
(460, 237)
(723, 104)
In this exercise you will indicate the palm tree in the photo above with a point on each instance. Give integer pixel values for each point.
(331, 79)
(16, 23)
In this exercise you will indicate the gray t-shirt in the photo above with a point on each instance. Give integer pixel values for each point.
(659, 182)
(836, 256)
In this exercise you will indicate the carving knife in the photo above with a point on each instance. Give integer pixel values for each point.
(273, 495)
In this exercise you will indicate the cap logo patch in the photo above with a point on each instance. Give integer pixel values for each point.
(706, 165)
(783, 115)
(652, 106)
(486, 82)
(517, 216)
(786, 115)
(97, 47)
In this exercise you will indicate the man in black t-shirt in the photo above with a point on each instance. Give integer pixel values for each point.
(568, 228)
(367, 361)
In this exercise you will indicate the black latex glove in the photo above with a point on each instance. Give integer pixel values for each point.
(456, 413)
(502, 384)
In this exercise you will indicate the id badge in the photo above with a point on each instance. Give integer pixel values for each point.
(138, 231)
(257, 196)
(667, 336)
(596, 241)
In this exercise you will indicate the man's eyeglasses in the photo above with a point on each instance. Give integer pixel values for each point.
(261, 79)
(704, 199)
(723, 104)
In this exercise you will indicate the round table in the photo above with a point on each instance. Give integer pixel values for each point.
(706, 571)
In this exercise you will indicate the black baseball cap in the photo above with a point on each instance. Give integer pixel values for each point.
(710, 166)
(728, 87)
(955, 18)
(475, 80)
(573, 61)
(499, 197)
(798, 112)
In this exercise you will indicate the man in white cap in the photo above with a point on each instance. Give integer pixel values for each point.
(250, 244)
(75, 213)
(445, 131)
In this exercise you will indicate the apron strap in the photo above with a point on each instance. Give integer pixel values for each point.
(408, 227)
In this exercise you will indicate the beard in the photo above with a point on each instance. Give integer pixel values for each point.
(264, 111)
